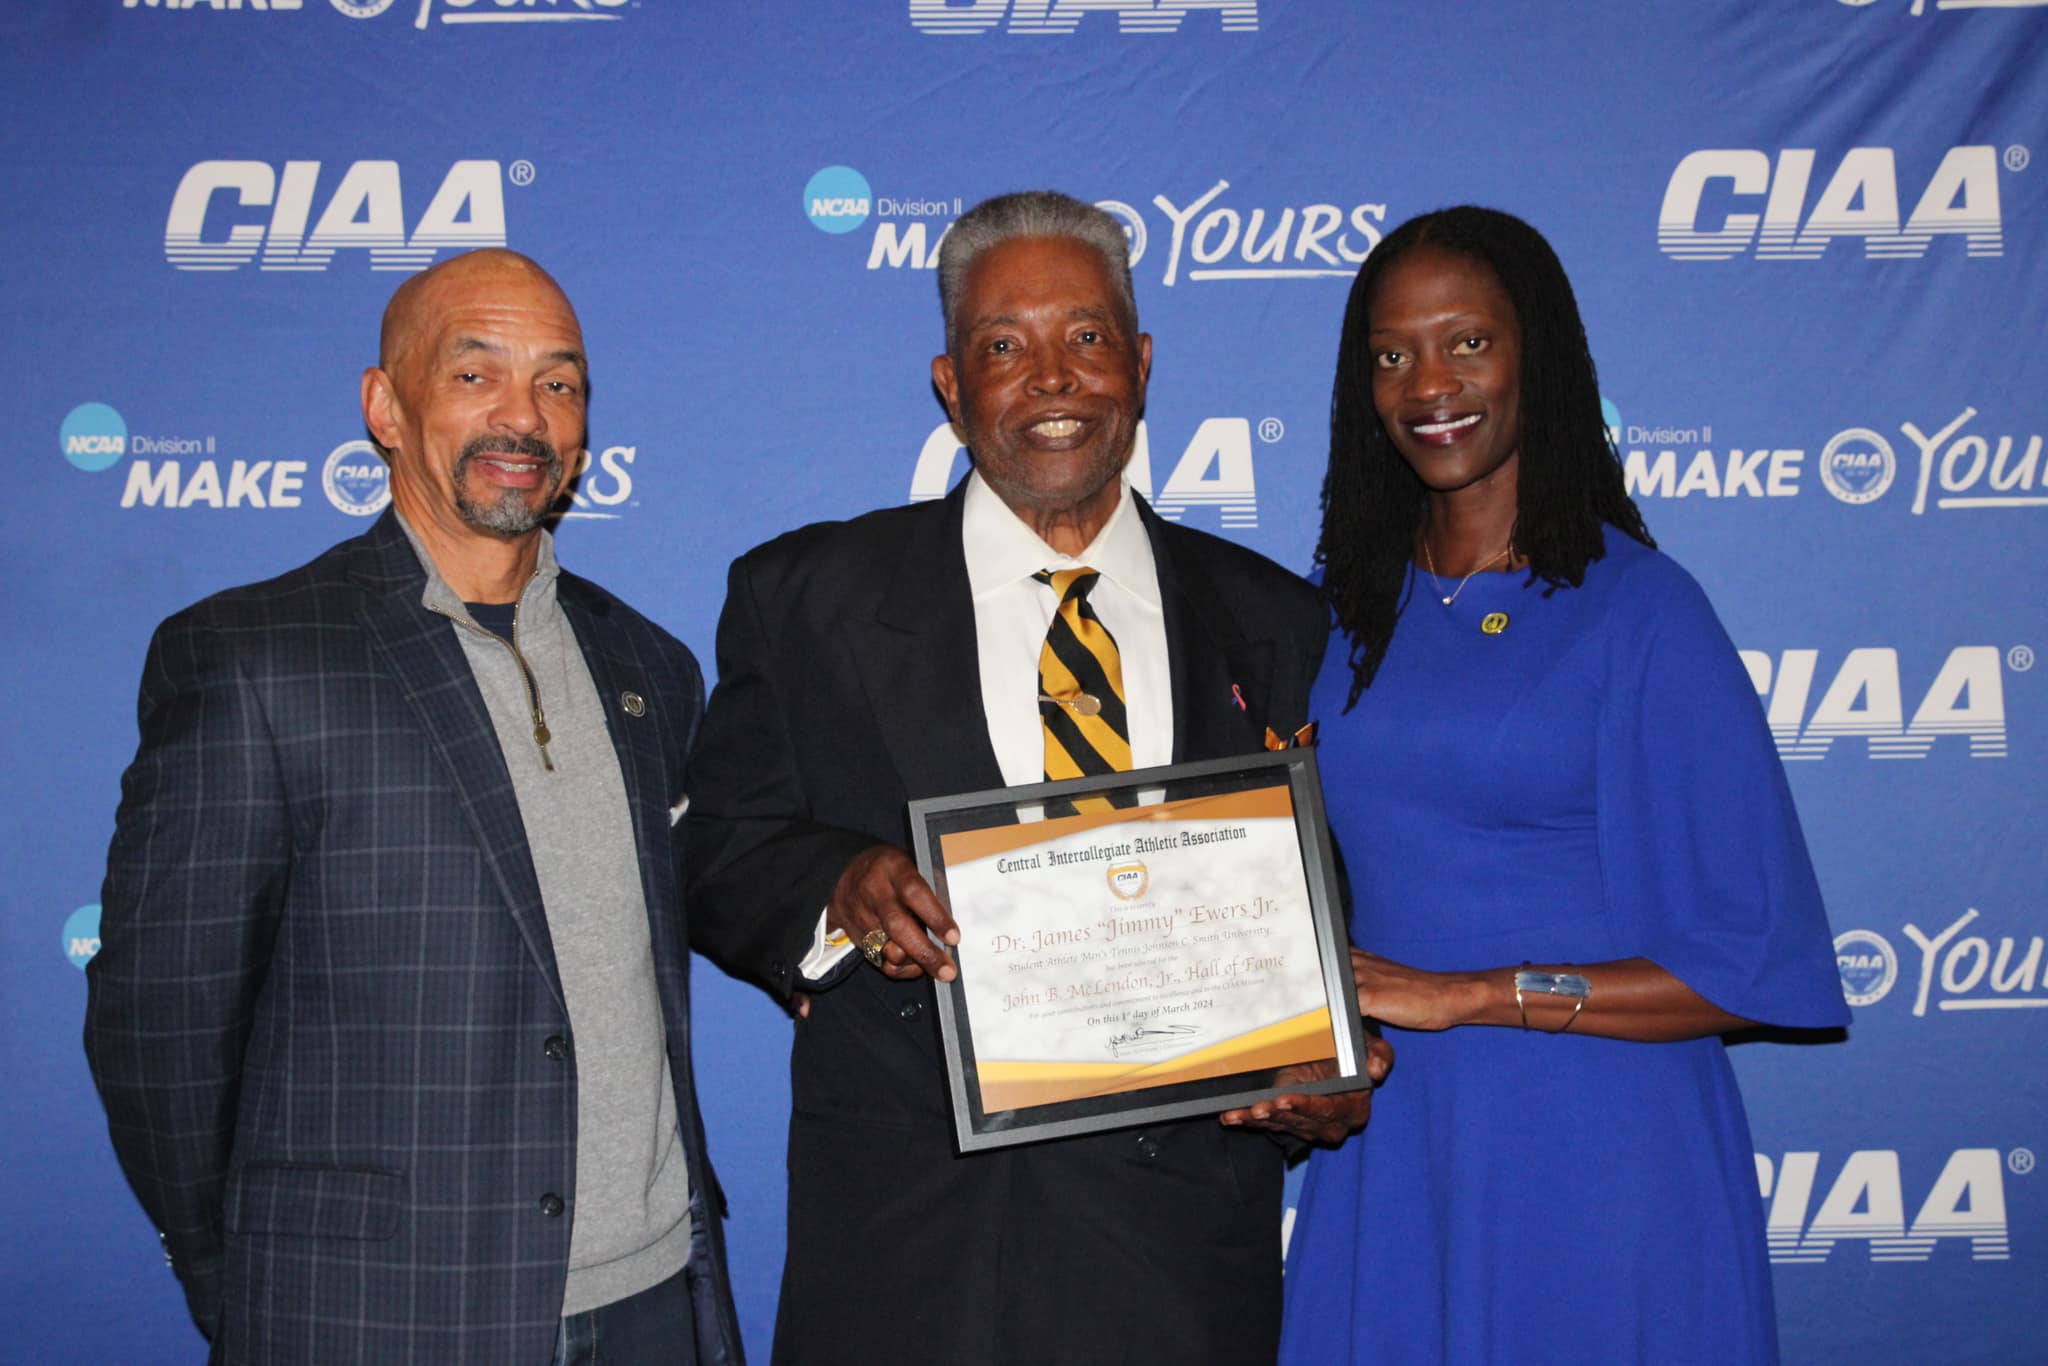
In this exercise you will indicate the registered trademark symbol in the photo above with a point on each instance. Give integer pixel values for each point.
(2020, 1161)
(521, 172)
(2020, 658)
(1272, 429)
(2017, 157)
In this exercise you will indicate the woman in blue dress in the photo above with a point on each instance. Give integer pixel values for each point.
(1572, 855)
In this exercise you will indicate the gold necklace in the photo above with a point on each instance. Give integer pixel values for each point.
(1430, 560)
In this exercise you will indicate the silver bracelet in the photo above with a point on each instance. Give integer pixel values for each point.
(1552, 984)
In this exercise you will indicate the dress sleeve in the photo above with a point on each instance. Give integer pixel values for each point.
(1707, 873)
(761, 870)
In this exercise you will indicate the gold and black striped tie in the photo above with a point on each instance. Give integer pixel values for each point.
(1081, 693)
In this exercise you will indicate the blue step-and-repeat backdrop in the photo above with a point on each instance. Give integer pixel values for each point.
(1808, 235)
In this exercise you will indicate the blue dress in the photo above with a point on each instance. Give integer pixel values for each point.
(1594, 781)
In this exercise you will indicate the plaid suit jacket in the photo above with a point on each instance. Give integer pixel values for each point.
(320, 1017)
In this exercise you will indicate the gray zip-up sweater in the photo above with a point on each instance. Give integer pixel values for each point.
(631, 1204)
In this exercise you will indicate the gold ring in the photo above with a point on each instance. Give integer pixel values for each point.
(871, 944)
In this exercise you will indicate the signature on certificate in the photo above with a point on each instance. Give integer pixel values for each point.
(1119, 1042)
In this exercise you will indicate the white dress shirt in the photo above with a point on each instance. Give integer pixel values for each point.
(1013, 612)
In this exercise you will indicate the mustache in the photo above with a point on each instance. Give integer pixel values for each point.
(527, 447)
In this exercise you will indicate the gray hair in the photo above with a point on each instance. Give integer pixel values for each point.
(1031, 213)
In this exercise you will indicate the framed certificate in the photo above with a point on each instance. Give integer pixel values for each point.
(1161, 950)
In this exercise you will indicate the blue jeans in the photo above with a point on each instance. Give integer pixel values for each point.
(653, 1328)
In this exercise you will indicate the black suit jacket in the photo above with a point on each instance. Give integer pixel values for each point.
(849, 683)
(323, 1018)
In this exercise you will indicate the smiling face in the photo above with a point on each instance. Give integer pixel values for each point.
(479, 400)
(1046, 382)
(1446, 372)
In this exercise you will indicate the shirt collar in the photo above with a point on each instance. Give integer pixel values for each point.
(1001, 550)
(538, 594)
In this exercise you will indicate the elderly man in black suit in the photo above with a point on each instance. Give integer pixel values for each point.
(391, 1016)
(865, 663)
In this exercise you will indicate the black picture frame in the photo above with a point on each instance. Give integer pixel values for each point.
(932, 819)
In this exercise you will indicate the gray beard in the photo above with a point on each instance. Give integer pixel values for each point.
(506, 512)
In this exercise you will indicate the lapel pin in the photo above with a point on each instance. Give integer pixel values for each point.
(633, 703)
(1493, 623)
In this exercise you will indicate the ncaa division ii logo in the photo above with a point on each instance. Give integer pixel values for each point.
(94, 437)
(82, 935)
(837, 199)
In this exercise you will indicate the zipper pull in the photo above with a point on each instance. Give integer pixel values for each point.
(541, 736)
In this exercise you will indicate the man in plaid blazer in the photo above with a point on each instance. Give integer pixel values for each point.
(391, 1017)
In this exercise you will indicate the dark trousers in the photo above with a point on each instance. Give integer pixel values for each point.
(653, 1328)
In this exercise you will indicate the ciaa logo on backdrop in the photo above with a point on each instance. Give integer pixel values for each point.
(1961, 464)
(356, 480)
(1211, 237)
(1863, 698)
(1733, 201)
(1868, 965)
(302, 219)
(957, 17)
(1214, 469)
(1952, 971)
(1866, 1202)
(452, 11)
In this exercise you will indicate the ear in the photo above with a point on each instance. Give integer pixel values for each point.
(381, 410)
(947, 381)
(1144, 361)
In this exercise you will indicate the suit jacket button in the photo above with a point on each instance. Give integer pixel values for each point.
(551, 1205)
(1148, 1147)
(556, 1048)
(910, 1010)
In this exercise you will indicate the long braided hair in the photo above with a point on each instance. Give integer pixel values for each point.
(1569, 483)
